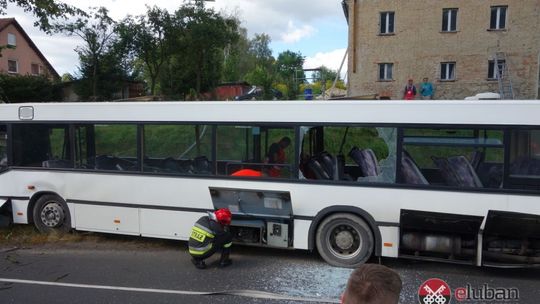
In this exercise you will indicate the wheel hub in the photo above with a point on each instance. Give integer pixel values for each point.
(52, 215)
(344, 240)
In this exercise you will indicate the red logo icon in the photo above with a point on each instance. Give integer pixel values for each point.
(434, 291)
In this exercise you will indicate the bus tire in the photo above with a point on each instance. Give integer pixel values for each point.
(344, 240)
(51, 214)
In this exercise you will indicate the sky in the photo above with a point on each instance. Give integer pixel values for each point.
(315, 28)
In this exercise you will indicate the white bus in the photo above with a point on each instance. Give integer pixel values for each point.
(455, 181)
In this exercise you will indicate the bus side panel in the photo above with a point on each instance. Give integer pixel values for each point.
(167, 224)
(71, 208)
(524, 204)
(19, 208)
(107, 219)
(390, 241)
(301, 230)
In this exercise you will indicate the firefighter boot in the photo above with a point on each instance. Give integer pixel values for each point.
(224, 261)
(199, 264)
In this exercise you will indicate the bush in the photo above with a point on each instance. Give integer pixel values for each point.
(19, 89)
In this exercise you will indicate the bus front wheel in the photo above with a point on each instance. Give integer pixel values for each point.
(344, 240)
(50, 214)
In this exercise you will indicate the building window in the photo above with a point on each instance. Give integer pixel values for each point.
(495, 70)
(12, 40)
(13, 66)
(498, 17)
(35, 69)
(387, 23)
(448, 71)
(385, 71)
(449, 20)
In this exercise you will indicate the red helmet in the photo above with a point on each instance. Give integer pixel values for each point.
(223, 216)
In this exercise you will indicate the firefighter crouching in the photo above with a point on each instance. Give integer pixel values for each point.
(209, 235)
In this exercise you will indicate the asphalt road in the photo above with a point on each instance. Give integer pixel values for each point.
(141, 271)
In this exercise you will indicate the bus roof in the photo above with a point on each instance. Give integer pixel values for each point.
(376, 112)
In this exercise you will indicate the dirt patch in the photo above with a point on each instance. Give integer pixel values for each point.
(26, 236)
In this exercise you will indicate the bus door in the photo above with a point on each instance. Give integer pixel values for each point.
(4, 212)
(3, 148)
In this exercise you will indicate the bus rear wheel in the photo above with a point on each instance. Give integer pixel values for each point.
(344, 240)
(51, 214)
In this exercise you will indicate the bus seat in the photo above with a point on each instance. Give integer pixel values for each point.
(410, 173)
(525, 166)
(366, 161)
(457, 171)
(317, 169)
(105, 162)
(328, 163)
(170, 164)
(201, 165)
(477, 157)
(340, 168)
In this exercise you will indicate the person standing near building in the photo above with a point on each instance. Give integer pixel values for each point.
(372, 284)
(209, 235)
(410, 91)
(426, 89)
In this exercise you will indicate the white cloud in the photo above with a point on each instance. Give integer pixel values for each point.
(295, 34)
(331, 60)
(284, 20)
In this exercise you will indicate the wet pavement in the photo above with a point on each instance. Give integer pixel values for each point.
(135, 272)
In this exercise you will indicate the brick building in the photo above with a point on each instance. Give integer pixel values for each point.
(455, 43)
(20, 56)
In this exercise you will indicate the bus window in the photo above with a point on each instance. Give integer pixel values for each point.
(268, 150)
(178, 149)
(3, 147)
(85, 151)
(356, 154)
(525, 154)
(107, 147)
(469, 158)
(40, 145)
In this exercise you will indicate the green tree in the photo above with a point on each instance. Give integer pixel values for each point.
(67, 77)
(289, 67)
(207, 34)
(260, 77)
(28, 88)
(237, 60)
(98, 33)
(325, 74)
(197, 59)
(45, 10)
(145, 38)
(259, 48)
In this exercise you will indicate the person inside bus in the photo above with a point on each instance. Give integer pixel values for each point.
(209, 235)
(276, 156)
(248, 173)
(372, 284)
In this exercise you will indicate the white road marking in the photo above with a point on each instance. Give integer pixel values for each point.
(242, 293)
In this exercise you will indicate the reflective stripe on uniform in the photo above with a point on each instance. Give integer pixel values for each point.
(199, 234)
(227, 245)
(204, 230)
(200, 250)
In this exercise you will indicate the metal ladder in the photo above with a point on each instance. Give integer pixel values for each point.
(503, 76)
